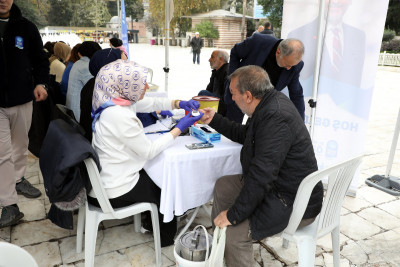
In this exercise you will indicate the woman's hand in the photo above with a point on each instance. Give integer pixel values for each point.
(189, 105)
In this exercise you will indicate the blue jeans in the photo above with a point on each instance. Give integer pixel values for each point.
(194, 57)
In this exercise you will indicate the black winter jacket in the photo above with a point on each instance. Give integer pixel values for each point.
(196, 44)
(23, 62)
(217, 86)
(63, 151)
(277, 155)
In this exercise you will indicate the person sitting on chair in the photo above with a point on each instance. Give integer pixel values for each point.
(276, 156)
(120, 141)
(219, 65)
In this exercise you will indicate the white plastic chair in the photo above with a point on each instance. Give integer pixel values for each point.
(95, 215)
(152, 87)
(12, 255)
(328, 221)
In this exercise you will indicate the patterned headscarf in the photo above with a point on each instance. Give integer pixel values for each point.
(119, 83)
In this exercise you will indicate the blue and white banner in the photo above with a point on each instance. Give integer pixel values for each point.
(352, 34)
(124, 29)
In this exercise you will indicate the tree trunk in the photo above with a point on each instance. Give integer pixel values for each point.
(244, 20)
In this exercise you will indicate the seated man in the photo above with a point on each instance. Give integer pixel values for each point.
(219, 65)
(277, 155)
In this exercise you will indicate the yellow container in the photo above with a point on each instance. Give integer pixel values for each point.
(207, 101)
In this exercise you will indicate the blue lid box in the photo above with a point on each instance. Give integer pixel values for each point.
(205, 133)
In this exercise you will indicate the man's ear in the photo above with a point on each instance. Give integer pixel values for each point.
(249, 97)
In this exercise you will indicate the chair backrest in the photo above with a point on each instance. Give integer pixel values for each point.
(97, 185)
(66, 114)
(12, 255)
(150, 77)
(339, 179)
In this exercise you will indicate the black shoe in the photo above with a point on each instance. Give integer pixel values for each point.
(147, 226)
(166, 238)
(10, 215)
(26, 189)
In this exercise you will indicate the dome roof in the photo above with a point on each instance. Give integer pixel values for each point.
(114, 19)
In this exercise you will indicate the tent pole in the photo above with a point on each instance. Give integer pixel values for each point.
(166, 42)
(321, 29)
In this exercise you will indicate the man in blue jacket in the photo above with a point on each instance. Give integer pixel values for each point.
(280, 58)
(276, 156)
(24, 71)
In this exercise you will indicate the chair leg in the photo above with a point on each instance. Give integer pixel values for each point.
(137, 222)
(91, 228)
(156, 234)
(79, 229)
(306, 252)
(335, 234)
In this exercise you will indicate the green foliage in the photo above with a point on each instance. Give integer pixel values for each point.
(60, 13)
(207, 30)
(133, 8)
(184, 25)
(30, 12)
(388, 35)
(77, 13)
(392, 46)
(273, 9)
(393, 18)
(181, 8)
(250, 26)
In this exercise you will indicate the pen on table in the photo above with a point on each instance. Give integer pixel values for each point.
(161, 132)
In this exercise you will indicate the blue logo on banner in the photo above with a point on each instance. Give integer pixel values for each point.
(19, 42)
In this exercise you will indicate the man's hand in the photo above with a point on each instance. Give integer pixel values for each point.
(222, 220)
(40, 93)
(208, 115)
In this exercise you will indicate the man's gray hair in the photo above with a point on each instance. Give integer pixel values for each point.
(224, 55)
(253, 79)
(291, 46)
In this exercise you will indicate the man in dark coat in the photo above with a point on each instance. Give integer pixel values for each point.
(267, 29)
(24, 73)
(280, 58)
(196, 43)
(277, 155)
(216, 87)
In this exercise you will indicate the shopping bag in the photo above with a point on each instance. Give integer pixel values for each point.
(216, 258)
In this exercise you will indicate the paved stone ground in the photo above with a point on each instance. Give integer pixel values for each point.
(370, 221)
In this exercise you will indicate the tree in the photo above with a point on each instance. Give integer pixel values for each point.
(133, 8)
(30, 12)
(181, 8)
(206, 29)
(60, 13)
(393, 18)
(79, 13)
(273, 9)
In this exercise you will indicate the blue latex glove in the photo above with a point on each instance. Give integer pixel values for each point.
(187, 121)
(189, 105)
(166, 113)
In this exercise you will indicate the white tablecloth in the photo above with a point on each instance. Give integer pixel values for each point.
(187, 177)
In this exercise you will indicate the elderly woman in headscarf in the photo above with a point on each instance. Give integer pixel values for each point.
(120, 141)
(57, 66)
(98, 60)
